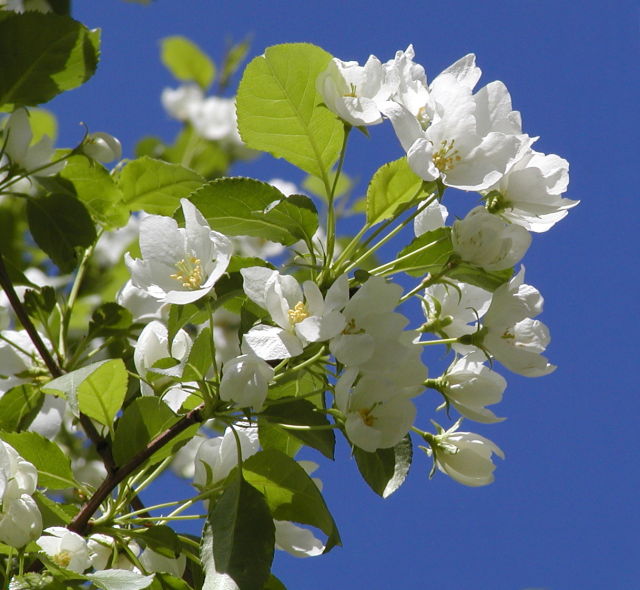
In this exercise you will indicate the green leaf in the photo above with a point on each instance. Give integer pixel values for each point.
(94, 186)
(186, 61)
(426, 253)
(162, 581)
(156, 186)
(273, 436)
(101, 394)
(54, 513)
(244, 534)
(67, 386)
(200, 359)
(301, 412)
(274, 583)
(232, 60)
(43, 55)
(290, 493)
(392, 186)
(43, 122)
(59, 224)
(315, 186)
(110, 319)
(141, 422)
(19, 406)
(207, 158)
(240, 206)
(385, 469)
(298, 214)
(479, 277)
(161, 539)
(54, 469)
(181, 315)
(279, 108)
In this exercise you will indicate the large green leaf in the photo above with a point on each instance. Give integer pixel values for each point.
(279, 108)
(244, 206)
(385, 469)
(156, 186)
(43, 55)
(101, 394)
(54, 469)
(301, 412)
(291, 494)
(392, 186)
(19, 406)
(59, 224)
(94, 186)
(426, 253)
(186, 61)
(242, 537)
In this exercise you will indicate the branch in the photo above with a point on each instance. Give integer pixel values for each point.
(80, 524)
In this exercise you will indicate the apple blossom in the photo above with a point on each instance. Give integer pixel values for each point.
(155, 562)
(182, 101)
(179, 265)
(430, 218)
(483, 239)
(529, 194)
(102, 147)
(354, 92)
(65, 548)
(245, 381)
(464, 456)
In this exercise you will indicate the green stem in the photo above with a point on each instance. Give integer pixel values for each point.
(432, 342)
(388, 266)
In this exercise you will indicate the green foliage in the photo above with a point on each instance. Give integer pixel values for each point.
(290, 493)
(385, 469)
(186, 61)
(279, 108)
(94, 186)
(241, 536)
(244, 206)
(54, 469)
(156, 186)
(19, 406)
(207, 158)
(43, 55)
(59, 225)
(161, 538)
(54, 513)
(43, 122)
(101, 394)
(392, 187)
(110, 319)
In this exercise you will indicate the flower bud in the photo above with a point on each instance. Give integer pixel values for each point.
(102, 147)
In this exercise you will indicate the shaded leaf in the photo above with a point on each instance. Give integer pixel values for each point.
(186, 61)
(19, 406)
(385, 469)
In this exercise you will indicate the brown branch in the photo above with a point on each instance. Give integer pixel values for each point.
(80, 524)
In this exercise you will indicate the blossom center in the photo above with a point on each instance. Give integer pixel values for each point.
(447, 156)
(351, 328)
(367, 416)
(63, 558)
(298, 313)
(189, 273)
(352, 92)
(423, 118)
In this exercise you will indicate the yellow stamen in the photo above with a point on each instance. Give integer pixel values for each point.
(189, 273)
(351, 328)
(298, 313)
(367, 417)
(351, 94)
(63, 559)
(446, 157)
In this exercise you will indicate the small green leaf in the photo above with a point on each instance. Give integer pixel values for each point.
(43, 122)
(301, 412)
(207, 158)
(244, 534)
(181, 315)
(54, 513)
(186, 61)
(474, 275)
(94, 186)
(101, 394)
(274, 583)
(162, 581)
(54, 469)
(43, 55)
(315, 186)
(290, 493)
(273, 436)
(232, 60)
(243, 206)
(298, 214)
(156, 186)
(59, 224)
(279, 108)
(426, 253)
(200, 359)
(110, 319)
(19, 406)
(393, 185)
(385, 469)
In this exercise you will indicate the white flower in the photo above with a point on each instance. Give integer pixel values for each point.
(302, 314)
(111, 244)
(23, 5)
(529, 194)
(245, 381)
(215, 118)
(102, 147)
(153, 345)
(430, 218)
(465, 456)
(141, 304)
(17, 137)
(66, 549)
(470, 386)
(216, 457)
(102, 552)
(20, 521)
(483, 239)
(376, 417)
(355, 93)
(182, 101)
(469, 141)
(155, 562)
(297, 540)
(179, 265)
(510, 335)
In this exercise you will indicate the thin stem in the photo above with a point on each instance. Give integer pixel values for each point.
(389, 265)
(432, 342)
(308, 428)
(310, 361)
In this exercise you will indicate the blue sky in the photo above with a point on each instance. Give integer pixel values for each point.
(563, 512)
